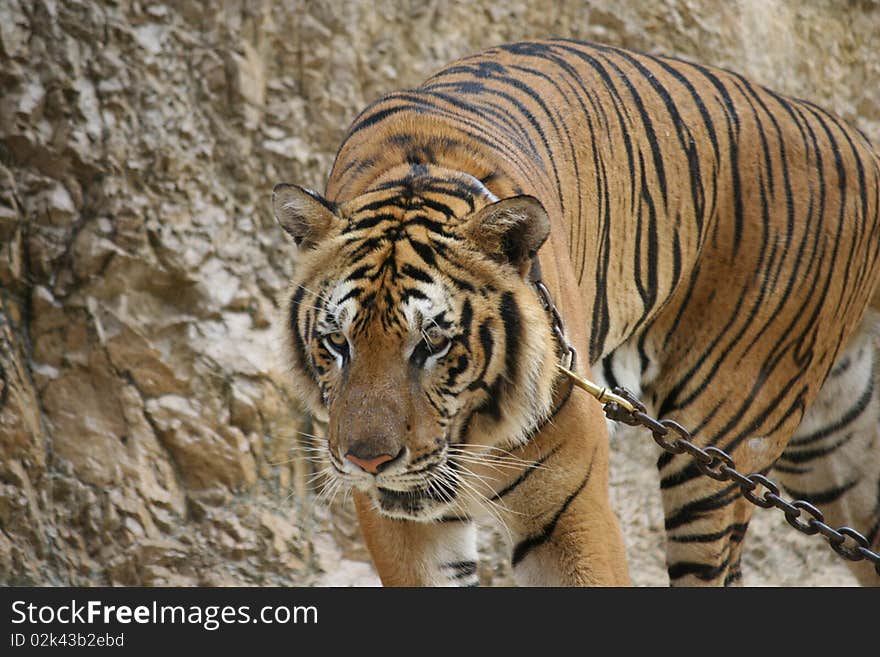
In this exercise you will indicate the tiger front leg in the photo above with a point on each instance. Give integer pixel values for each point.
(410, 553)
(565, 532)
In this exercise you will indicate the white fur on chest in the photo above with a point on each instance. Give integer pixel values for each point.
(626, 368)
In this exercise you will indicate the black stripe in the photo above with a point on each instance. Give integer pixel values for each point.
(298, 344)
(484, 92)
(365, 247)
(525, 474)
(452, 519)
(359, 273)
(851, 416)
(804, 456)
(425, 252)
(409, 293)
(648, 290)
(824, 496)
(735, 530)
(368, 120)
(790, 469)
(351, 294)
(457, 370)
(608, 372)
(465, 320)
(648, 126)
(874, 532)
(461, 569)
(733, 576)
(702, 571)
(486, 342)
(685, 139)
(696, 509)
(733, 128)
(442, 208)
(525, 546)
(370, 222)
(425, 103)
(504, 121)
(512, 321)
(813, 214)
(601, 323)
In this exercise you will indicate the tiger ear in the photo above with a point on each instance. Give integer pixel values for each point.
(305, 215)
(510, 230)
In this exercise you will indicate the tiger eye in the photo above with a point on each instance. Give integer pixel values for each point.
(435, 338)
(337, 340)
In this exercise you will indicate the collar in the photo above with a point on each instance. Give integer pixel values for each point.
(566, 353)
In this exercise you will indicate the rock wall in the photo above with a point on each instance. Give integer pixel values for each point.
(147, 436)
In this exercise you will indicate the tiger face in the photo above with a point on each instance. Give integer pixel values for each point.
(414, 331)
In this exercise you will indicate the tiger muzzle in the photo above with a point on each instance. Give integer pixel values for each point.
(376, 422)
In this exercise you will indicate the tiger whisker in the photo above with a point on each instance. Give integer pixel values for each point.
(325, 472)
(310, 435)
(298, 457)
(491, 506)
(495, 465)
(468, 491)
(308, 449)
(321, 295)
(512, 461)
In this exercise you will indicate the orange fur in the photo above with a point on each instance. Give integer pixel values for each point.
(726, 235)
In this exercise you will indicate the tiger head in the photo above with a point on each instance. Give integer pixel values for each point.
(414, 331)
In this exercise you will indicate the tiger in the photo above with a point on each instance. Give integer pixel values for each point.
(708, 244)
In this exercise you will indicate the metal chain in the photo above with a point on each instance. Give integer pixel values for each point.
(718, 464)
(621, 405)
(558, 325)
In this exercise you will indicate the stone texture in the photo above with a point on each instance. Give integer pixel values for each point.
(147, 435)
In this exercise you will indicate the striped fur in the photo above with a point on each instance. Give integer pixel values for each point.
(711, 243)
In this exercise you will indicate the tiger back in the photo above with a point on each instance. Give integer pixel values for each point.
(710, 244)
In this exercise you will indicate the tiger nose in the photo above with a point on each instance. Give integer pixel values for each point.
(367, 461)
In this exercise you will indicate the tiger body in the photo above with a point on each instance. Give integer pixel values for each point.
(710, 244)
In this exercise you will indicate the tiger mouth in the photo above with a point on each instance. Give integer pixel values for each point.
(416, 503)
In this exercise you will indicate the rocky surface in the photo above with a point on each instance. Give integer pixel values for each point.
(147, 435)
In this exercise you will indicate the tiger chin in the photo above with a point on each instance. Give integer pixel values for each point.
(415, 333)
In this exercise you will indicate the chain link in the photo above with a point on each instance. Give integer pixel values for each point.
(711, 461)
(719, 465)
(569, 351)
